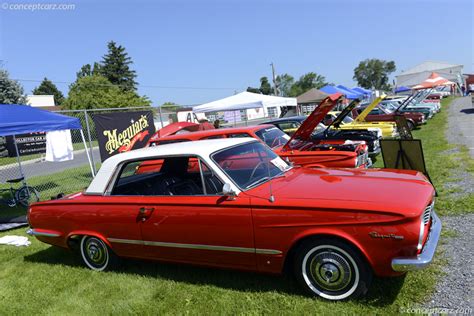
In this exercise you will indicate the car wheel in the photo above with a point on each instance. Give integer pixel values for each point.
(411, 126)
(96, 255)
(331, 270)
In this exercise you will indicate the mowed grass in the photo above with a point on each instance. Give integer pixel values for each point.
(445, 163)
(40, 279)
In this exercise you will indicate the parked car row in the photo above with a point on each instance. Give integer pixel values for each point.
(293, 195)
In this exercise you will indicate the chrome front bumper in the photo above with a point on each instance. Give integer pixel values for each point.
(404, 264)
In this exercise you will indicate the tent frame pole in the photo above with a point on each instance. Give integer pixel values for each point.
(18, 160)
(87, 153)
(90, 141)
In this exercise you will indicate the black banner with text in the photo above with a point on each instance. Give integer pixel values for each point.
(124, 131)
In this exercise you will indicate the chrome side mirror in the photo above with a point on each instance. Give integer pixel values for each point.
(227, 191)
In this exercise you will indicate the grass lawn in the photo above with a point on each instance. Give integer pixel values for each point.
(444, 162)
(45, 280)
(12, 160)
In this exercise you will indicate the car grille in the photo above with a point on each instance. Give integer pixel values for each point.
(427, 213)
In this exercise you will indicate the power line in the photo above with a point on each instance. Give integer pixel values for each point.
(139, 85)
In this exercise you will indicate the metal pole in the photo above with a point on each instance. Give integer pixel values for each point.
(18, 159)
(90, 143)
(87, 154)
(161, 119)
(275, 88)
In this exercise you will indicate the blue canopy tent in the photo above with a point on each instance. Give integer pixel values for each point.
(21, 119)
(332, 89)
(401, 89)
(350, 94)
(362, 90)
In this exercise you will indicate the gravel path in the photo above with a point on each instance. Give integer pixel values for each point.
(461, 123)
(455, 289)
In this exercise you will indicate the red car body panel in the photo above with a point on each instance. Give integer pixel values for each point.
(176, 127)
(416, 118)
(307, 127)
(307, 203)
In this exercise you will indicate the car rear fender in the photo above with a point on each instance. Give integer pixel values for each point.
(75, 233)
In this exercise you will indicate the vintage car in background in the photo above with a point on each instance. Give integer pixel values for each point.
(342, 120)
(289, 125)
(301, 149)
(371, 136)
(180, 128)
(383, 113)
(389, 129)
(245, 208)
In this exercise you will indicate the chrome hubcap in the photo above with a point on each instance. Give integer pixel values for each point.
(96, 252)
(330, 271)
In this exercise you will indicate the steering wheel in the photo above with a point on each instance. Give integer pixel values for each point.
(252, 175)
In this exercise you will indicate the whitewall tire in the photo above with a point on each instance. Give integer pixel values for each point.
(331, 270)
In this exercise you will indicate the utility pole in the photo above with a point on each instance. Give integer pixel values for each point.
(275, 89)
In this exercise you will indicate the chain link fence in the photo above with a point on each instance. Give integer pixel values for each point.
(53, 178)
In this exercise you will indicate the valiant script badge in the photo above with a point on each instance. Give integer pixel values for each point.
(389, 236)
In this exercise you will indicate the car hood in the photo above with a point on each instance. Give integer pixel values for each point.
(361, 117)
(306, 129)
(404, 192)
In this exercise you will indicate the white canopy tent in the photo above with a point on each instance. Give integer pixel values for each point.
(247, 100)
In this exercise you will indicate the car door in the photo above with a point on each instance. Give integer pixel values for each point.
(196, 225)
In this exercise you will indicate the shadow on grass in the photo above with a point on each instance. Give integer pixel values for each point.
(382, 292)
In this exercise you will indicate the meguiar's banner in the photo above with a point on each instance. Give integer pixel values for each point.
(124, 131)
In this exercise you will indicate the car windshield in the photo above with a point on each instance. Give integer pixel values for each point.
(250, 164)
(272, 136)
(347, 120)
(388, 107)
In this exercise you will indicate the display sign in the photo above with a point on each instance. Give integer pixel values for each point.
(124, 131)
(28, 144)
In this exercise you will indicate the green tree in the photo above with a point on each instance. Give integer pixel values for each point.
(11, 91)
(170, 106)
(373, 73)
(88, 70)
(115, 66)
(306, 82)
(47, 87)
(265, 87)
(92, 92)
(284, 83)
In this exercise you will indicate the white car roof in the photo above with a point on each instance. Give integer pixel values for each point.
(203, 148)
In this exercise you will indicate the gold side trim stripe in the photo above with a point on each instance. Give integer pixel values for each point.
(195, 246)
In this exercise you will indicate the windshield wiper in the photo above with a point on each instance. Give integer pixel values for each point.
(257, 182)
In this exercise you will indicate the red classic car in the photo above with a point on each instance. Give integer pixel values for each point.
(300, 149)
(381, 114)
(245, 208)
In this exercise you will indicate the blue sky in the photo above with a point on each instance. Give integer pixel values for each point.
(225, 46)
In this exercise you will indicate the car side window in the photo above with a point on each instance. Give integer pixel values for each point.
(238, 135)
(214, 137)
(183, 175)
(170, 141)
